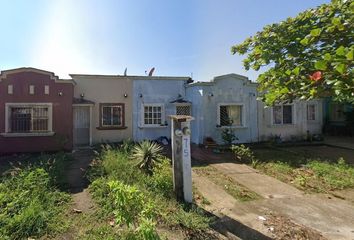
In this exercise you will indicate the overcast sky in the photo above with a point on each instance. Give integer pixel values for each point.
(178, 38)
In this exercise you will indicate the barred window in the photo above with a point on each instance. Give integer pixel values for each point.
(283, 114)
(153, 115)
(230, 115)
(183, 110)
(29, 119)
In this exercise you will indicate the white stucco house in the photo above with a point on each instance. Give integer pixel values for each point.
(290, 121)
(227, 99)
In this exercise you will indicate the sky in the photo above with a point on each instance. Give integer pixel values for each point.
(178, 38)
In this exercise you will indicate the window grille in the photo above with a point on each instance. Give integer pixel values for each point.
(230, 115)
(29, 119)
(183, 110)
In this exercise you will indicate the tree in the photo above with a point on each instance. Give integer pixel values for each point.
(305, 57)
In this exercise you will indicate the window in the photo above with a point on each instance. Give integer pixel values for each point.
(31, 89)
(283, 114)
(46, 89)
(183, 110)
(112, 115)
(230, 115)
(28, 118)
(311, 112)
(10, 89)
(153, 115)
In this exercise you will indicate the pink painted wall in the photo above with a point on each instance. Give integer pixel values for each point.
(62, 110)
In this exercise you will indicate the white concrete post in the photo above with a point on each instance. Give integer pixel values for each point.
(181, 157)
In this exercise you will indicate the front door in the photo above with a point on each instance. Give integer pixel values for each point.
(81, 126)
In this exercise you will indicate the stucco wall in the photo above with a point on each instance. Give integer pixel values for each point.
(159, 91)
(61, 109)
(106, 89)
(295, 131)
(228, 89)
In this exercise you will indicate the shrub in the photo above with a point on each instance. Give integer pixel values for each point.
(127, 146)
(148, 154)
(244, 154)
(161, 180)
(228, 135)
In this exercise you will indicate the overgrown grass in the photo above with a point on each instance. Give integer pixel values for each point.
(233, 188)
(30, 203)
(115, 165)
(308, 174)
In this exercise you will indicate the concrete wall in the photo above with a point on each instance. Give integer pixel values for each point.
(295, 131)
(155, 91)
(227, 89)
(106, 89)
(61, 109)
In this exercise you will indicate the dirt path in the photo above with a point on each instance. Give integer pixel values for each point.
(77, 182)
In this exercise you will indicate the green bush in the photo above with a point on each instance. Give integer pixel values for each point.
(161, 180)
(244, 154)
(30, 206)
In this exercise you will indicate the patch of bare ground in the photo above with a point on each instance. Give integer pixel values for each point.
(282, 228)
(347, 194)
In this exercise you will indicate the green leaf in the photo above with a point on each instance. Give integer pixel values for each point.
(350, 55)
(340, 68)
(336, 21)
(340, 51)
(296, 71)
(304, 41)
(288, 72)
(321, 65)
(315, 32)
(327, 57)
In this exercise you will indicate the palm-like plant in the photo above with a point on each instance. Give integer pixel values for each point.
(148, 154)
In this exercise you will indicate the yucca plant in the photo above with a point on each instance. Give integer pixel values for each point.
(148, 154)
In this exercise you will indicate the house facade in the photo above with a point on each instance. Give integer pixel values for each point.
(40, 112)
(154, 99)
(290, 122)
(102, 109)
(36, 111)
(229, 101)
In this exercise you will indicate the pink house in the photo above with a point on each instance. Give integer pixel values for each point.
(35, 111)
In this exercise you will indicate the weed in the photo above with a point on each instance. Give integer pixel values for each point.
(30, 206)
(243, 153)
(151, 193)
(233, 188)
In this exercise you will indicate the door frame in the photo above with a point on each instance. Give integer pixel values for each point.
(90, 118)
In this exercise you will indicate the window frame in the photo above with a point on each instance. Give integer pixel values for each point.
(111, 127)
(163, 119)
(243, 115)
(293, 113)
(9, 133)
(315, 112)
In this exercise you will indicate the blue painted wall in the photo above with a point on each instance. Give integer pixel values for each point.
(154, 92)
